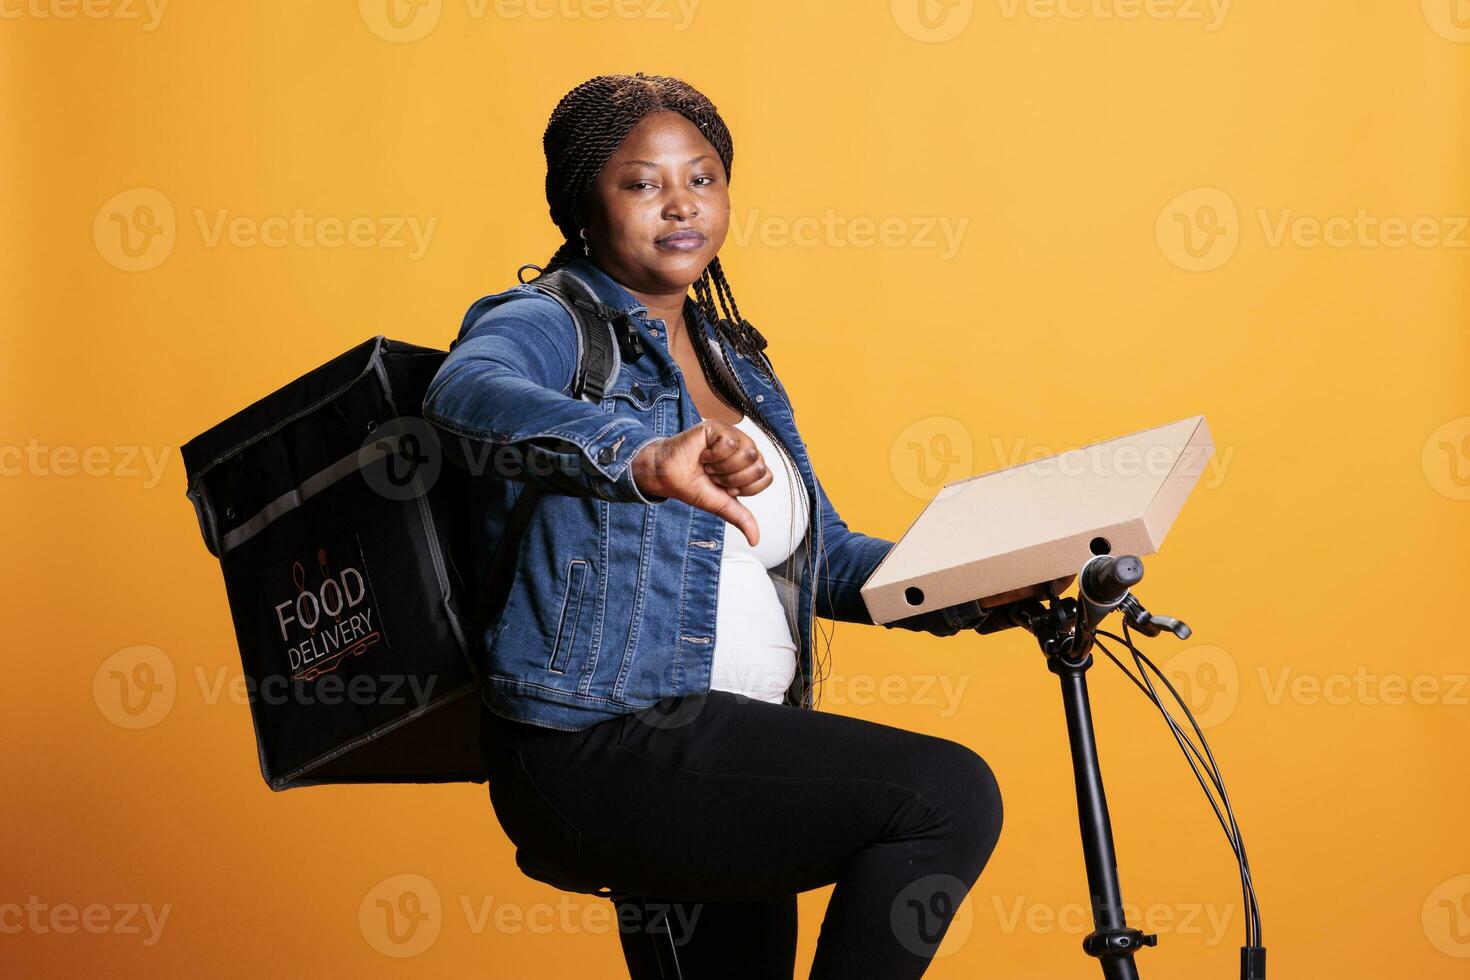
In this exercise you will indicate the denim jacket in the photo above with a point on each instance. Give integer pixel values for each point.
(612, 607)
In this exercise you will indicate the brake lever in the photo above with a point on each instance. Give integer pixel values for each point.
(1147, 623)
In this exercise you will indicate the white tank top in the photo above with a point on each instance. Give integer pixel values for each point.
(755, 653)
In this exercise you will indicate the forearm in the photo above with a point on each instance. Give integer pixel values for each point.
(850, 560)
(840, 598)
(500, 404)
(846, 560)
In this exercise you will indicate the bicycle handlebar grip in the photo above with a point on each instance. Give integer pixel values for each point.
(1106, 580)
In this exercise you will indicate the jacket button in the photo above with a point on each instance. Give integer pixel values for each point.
(605, 455)
(636, 391)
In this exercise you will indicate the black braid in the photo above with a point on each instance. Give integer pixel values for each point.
(743, 336)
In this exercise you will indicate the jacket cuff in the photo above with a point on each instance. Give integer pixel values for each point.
(610, 454)
(946, 621)
(964, 615)
(625, 486)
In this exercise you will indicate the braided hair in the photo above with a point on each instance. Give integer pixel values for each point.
(585, 130)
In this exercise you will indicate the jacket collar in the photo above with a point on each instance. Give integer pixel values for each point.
(608, 290)
(612, 293)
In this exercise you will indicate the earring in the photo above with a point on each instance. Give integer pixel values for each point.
(586, 250)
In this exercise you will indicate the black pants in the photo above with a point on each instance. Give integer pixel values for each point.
(712, 811)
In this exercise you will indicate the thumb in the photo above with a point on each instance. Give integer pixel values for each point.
(737, 514)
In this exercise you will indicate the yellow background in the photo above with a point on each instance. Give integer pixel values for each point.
(1329, 550)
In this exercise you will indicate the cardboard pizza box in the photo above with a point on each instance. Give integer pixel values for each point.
(1042, 520)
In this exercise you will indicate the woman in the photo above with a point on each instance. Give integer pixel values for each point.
(644, 684)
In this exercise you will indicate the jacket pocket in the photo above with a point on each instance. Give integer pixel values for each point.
(571, 614)
(640, 401)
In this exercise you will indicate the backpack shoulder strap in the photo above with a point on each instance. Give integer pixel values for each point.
(601, 333)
